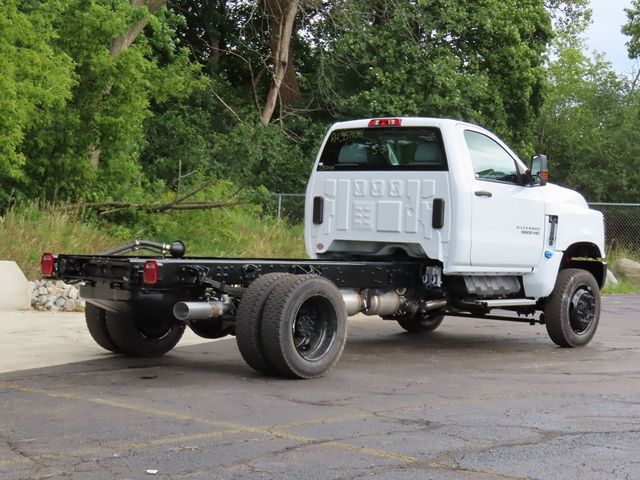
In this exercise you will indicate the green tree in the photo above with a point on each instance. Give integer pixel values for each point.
(632, 29)
(588, 127)
(478, 60)
(34, 78)
(88, 145)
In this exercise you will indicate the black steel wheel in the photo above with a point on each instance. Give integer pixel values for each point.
(304, 326)
(421, 322)
(572, 311)
(143, 337)
(248, 323)
(97, 325)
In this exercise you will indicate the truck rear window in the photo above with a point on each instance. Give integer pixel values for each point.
(384, 148)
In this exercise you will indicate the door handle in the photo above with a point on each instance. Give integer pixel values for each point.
(483, 193)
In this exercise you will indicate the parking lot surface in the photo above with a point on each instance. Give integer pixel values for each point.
(477, 399)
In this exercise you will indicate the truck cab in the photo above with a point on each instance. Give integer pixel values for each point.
(448, 191)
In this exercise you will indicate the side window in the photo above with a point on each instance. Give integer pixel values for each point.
(490, 160)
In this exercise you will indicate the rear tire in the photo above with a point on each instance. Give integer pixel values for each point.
(249, 321)
(572, 311)
(142, 337)
(304, 326)
(210, 328)
(421, 323)
(97, 325)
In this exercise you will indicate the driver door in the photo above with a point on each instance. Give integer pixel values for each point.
(507, 228)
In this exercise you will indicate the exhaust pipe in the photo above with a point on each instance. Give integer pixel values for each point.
(375, 302)
(189, 311)
(352, 300)
(371, 302)
(435, 304)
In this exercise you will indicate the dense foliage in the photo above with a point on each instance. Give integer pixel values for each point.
(139, 100)
(589, 124)
(589, 128)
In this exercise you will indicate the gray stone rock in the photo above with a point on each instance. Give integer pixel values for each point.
(48, 295)
(627, 270)
(611, 280)
(73, 293)
(56, 290)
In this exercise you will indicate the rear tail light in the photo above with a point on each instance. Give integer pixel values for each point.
(47, 264)
(385, 122)
(150, 272)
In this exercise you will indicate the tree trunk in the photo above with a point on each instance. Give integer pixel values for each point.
(283, 14)
(124, 40)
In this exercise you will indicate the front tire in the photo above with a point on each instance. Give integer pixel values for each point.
(572, 311)
(142, 337)
(304, 326)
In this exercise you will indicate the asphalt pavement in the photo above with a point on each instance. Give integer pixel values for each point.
(476, 399)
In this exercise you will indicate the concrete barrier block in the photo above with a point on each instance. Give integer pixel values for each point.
(14, 287)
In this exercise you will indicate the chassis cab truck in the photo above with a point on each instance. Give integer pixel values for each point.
(407, 219)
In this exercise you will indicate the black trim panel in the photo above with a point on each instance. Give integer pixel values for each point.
(318, 210)
(437, 220)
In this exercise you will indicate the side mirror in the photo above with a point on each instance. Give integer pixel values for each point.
(539, 169)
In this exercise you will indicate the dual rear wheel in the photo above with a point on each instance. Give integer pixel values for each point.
(139, 336)
(291, 325)
(288, 325)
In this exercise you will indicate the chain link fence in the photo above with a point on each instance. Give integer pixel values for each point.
(288, 207)
(622, 226)
(622, 220)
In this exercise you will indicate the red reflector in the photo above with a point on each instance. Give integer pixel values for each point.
(385, 122)
(150, 272)
(47, 263)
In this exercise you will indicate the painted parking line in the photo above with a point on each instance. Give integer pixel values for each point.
(230, 428)
(113, 447)
(272, 431)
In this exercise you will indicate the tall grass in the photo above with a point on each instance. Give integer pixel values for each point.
(615, 254)
(240, 231)
(28, 229)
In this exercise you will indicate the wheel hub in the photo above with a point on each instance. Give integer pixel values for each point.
(304, 332)
(313, 329)
(582, 310)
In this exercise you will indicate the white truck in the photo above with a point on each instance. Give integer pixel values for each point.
(408, 219)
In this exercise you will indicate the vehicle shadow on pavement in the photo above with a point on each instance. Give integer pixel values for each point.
(383, 343)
